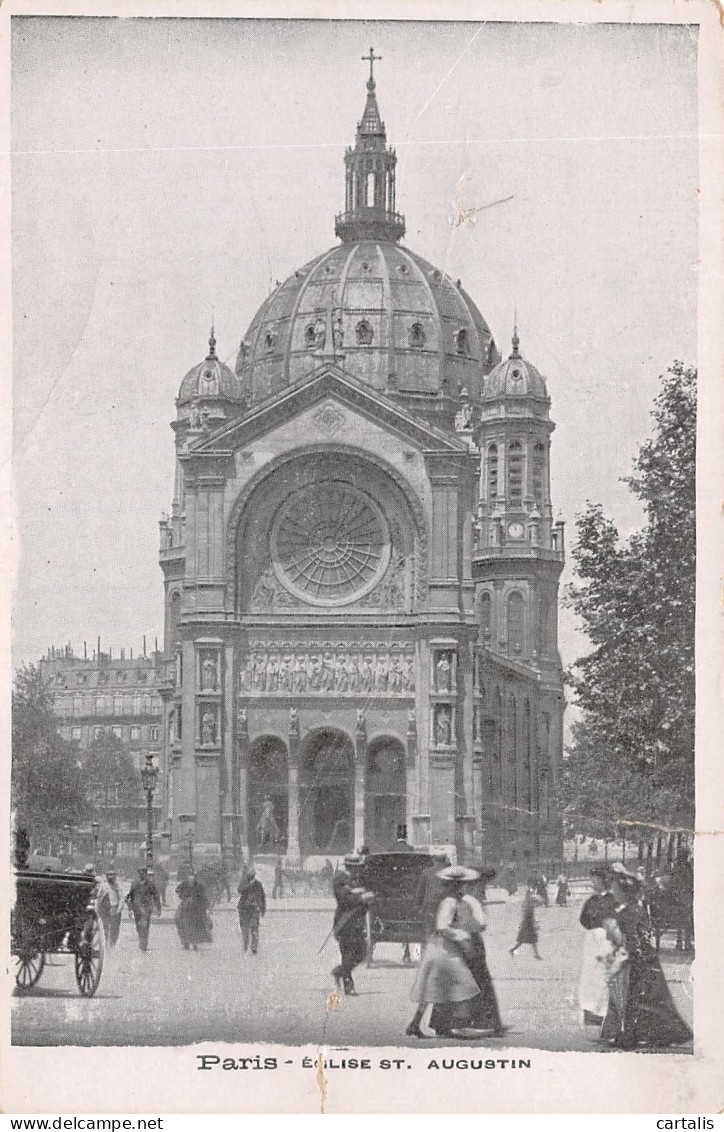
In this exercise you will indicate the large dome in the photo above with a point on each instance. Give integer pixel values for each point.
(387, 316)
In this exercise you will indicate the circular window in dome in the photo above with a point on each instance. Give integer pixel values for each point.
(330, 543)
(402, 269)
(365, 265)
(364, 333)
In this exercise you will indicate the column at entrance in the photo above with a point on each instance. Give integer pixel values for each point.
(360, 775)
(242, 761)
(293, 852)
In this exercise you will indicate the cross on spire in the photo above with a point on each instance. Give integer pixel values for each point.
(371, 59)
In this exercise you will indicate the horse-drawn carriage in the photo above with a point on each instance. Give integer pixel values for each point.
(670, 900)
(54, 915)
(395, 916)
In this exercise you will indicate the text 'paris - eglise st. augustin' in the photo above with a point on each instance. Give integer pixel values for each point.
(361, 565)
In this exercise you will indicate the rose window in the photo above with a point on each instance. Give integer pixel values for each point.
(330, 543)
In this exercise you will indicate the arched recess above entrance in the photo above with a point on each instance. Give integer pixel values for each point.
(268, 794)
(385, 791)
(326, 792)
(249, 526)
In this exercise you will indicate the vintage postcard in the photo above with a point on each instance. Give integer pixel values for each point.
(360, 371)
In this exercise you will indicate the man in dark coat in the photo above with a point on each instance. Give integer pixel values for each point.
(251, 907)
(350, 922)
(143, 900)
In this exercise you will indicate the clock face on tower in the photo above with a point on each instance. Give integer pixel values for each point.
(516, 530)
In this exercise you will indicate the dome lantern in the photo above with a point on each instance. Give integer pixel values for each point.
(369, 207)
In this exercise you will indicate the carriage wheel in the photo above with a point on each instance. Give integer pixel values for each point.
(89, 956)
(28, 970)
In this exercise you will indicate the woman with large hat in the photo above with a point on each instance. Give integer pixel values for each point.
(593, 985)
(641, 1010)
(453, 973)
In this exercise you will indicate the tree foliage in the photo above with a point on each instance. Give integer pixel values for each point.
(110, 774)
(632, 756)
(48, 790)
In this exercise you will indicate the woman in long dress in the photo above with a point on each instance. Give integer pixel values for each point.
(641, 1010)
(528, 929)
(453, 973)
(593, 986)
(193, 922)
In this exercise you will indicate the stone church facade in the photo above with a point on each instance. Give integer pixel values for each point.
(361, 565)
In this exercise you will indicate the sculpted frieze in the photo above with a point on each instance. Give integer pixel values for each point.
(324, 668)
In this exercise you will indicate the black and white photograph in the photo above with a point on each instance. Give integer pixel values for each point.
(354, 703)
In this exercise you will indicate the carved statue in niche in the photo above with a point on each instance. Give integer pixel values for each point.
(285, 674)
(443, 725)
(320, 333)
(397, 675)
(353, 673)
(411, 721)
(464, 418)
(272, 673)
(408, 680)
(209, 674)
(327, 677)
(241, 717)
(341, 681)
(382, 672)
(208, 729)
(367, 675)
(360, 723)
(338, 332)
(299, 674)
(293, 721)
(245, 676)
(443, 672)
(259, 677)
(314, 673)
(194, 417)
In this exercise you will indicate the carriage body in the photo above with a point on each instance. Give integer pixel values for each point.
(54, 914)
(395, 916)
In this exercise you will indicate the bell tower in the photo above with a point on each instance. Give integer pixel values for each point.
(369, 205)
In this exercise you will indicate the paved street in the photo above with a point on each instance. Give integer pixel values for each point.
(172, 997)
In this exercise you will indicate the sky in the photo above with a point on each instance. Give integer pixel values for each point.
(164, 169)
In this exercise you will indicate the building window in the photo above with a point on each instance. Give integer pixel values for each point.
(416, 337)
(98, 733)
(135, 734)
(515, 621)
(117, 732)
(539, 464)
(118, 705)
(492, 472)
(76, 734)
(486, 615)
(515, 472)
(153, 734)
(364, 333)
(77, 705)
(462, 342)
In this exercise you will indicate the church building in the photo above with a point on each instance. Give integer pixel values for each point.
(361, 565)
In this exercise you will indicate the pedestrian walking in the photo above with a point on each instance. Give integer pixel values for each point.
(562, 891)
(192, 919)
(115, 907)
(278, 889)
(453, 973)
(511, 881)
(540, 886)
(143, 900)
(528, 930)
(641, 1011)
(350, 922)
(593, 985)
(251, 907)
(161, 879)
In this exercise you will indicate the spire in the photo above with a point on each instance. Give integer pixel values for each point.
(515, 339)
(370, 177)
(212, 343)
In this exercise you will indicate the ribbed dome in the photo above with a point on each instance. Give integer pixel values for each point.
(381, 312)
(514, 377)
(210, 379)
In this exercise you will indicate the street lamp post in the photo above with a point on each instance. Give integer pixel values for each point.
(149, 776)
(95, 826)
(191, 849)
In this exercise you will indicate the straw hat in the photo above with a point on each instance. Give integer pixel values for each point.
(458, 873)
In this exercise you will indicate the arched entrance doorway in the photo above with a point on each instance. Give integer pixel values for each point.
(385, 792)
(326, 793)
(268, 795)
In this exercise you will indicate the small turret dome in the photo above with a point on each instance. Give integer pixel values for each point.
(210, 380)
(514, 377)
